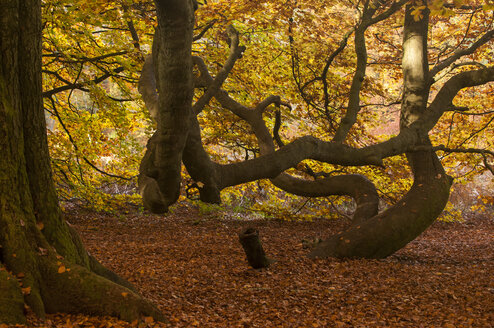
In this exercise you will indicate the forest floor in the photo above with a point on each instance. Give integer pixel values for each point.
(193, 267)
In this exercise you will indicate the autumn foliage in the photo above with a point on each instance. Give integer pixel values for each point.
(98, 125)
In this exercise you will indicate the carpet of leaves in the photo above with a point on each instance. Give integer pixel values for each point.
(193, 267)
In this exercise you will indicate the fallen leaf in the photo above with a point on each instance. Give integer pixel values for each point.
(26, 291)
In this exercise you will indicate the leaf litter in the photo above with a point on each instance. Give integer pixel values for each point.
(194, 269)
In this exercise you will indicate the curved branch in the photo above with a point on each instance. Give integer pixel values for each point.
(204, 30)
(488, 36)
(72, 141)
(235, 53)
(358, 78)
(399, 224)
(450, 89)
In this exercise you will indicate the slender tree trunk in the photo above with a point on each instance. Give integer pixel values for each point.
(36, 246)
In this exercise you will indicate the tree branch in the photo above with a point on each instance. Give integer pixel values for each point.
(81, 85)
(488, 36)
(360, 49)
(235, 53)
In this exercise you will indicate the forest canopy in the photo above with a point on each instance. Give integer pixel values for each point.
(302, 51)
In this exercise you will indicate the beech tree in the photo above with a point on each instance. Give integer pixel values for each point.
(167, 85)
(43, 264)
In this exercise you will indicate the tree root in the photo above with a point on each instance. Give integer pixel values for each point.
(11, 300)
(78, 290)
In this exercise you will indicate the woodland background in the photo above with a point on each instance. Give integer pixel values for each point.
(98, 126)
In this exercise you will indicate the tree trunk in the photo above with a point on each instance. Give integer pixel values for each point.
(391, 230)
(249, 239)
(37, 247)
(384, 234)
(160, 170)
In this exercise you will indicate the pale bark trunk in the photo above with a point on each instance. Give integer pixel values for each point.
(384, 234)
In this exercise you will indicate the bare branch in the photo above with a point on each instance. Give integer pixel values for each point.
(487, 165)
(81, 84)
(276, 129)
(450, 89)
(395, 6)
(204, 30)
(235, 53)
(72, 141)
(488, 36)
(463, 150)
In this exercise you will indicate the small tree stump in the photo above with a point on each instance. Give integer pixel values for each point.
(249, 238)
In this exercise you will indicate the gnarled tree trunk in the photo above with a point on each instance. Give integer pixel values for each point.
(371, 235)
(160, 170)
(387, 232)
(37, 247)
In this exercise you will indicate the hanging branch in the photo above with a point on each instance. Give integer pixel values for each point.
(88, 162)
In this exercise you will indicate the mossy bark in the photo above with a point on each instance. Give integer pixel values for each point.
(43, 264)
(11, 300)
(391, 230)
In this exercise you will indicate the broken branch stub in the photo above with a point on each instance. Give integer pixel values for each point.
(249, 239)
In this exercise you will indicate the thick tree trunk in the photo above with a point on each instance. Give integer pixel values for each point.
(387, 232)
(36, 246)
(160, 171)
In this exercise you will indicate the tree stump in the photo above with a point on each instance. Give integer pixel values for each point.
(249, 238)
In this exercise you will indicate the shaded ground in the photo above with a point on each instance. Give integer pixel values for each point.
(193, 267)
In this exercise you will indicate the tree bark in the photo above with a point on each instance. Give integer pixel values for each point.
(37, 247)
(249, 239)
(387, 232)
(160, 170)
(372, 234)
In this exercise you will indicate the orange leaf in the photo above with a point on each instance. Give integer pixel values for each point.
(40, 225)
(26, 291)
(61, 269)
(148, 319)
(124, 294)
